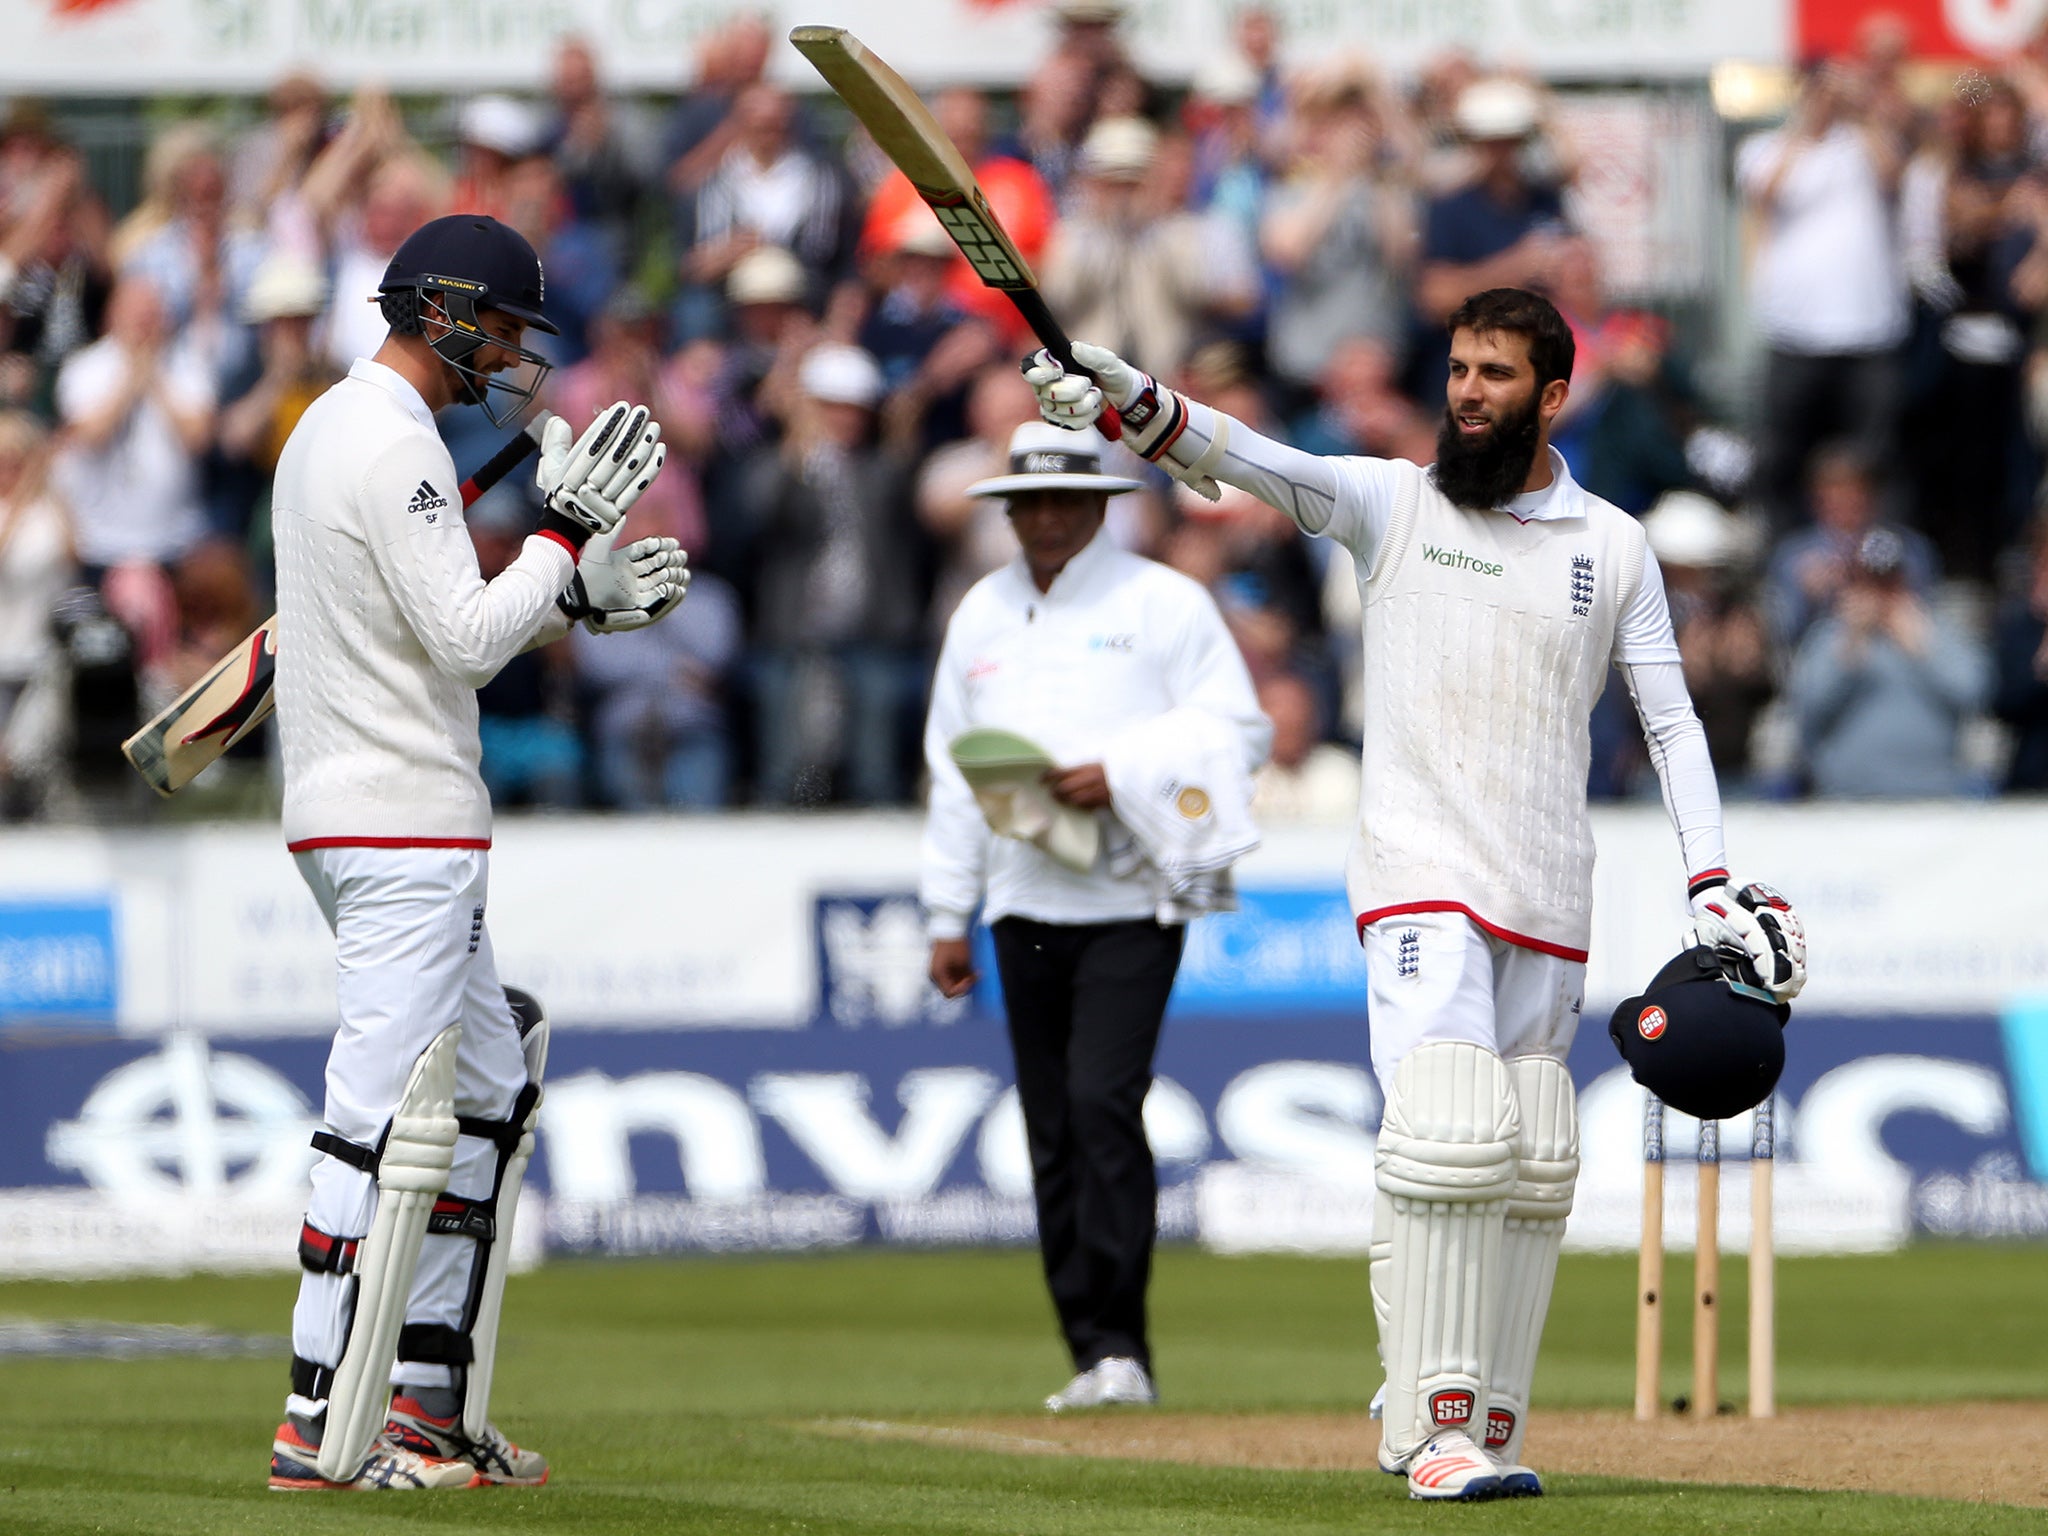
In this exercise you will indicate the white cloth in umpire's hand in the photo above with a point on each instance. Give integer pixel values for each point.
(1758, 924)
(595, 480)
(620, 589)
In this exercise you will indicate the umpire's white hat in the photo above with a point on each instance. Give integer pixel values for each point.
(1044, 457)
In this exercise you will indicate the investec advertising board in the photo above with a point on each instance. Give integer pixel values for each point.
(100, 46)
(748, 1058)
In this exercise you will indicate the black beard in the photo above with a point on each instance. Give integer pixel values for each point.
(1488, 470)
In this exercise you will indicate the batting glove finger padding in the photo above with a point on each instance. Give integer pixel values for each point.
(630, 588)
(593, 484)
(1065, 399)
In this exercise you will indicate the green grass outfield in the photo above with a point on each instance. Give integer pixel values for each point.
(673, 1397)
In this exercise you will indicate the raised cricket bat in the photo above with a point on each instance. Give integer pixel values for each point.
(235, 697)
(905, 131)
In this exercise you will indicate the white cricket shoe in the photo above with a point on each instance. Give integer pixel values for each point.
(1450, 1466)
(1518, 1481)
(294, 1466)
(497, 1461)
(1115, 1382)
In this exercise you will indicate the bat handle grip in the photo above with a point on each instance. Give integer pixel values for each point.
(1055, 341)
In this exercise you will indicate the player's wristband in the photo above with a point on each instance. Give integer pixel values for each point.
(1705, 881)
(565, 531)
(1153, 419)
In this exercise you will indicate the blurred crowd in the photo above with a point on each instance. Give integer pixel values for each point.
(1858, 571)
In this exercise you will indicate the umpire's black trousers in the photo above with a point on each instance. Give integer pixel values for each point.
(1085, 1002)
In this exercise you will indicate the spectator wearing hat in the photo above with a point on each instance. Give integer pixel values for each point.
(927, 345)
(1881, 685)
(1808, 569)
(1129, 261)
(1016, 195)
(751, 377)
(626, 363)
(284, 301)
(1706, 555)
(1506, 226)
(492, 133)
(1828, 287)
(768, 189)
(1076, 647)
(839, 578)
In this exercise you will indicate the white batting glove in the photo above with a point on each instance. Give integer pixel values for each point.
(1069, 400)
(1152, 417)
(630, 588)
(1757, 929)
(592, 483)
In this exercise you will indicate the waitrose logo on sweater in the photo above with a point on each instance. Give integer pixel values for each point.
(1457, 559)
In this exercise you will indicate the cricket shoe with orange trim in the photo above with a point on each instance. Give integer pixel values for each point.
(496, 1460)
(1450, 1466)
(294, 1467)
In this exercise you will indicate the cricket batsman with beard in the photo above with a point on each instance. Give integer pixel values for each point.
(1496, 592)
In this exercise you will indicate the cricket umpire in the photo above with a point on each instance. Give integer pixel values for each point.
(1496, 593)
(1071, 643)
(388, 630)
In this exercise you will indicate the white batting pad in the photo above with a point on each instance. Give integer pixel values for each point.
(483, 1334)
(1546, 1171)
(1446, 1163)
(411, 1174)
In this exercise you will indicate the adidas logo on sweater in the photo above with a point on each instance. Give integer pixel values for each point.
(426, 499)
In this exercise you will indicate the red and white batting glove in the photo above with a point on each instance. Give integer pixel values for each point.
(1757, 929)
(1152, 417)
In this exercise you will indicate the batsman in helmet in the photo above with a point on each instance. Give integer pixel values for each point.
(1496, 593)
(387, 629)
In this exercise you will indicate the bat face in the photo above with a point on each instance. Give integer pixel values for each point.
(221, 709)
(904, 129)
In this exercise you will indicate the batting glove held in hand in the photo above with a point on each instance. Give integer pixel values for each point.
(1757, 929)
(630, 588)
(587, 486)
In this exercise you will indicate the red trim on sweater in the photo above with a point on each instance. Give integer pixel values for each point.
(1542, 946)
(387, 842)
(561, 539)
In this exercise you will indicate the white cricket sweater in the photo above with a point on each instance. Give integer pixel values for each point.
(1486, 645)
(1118, 639)
(386, 628)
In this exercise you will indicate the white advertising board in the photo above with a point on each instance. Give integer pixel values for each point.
(717, 922)
(102, 47)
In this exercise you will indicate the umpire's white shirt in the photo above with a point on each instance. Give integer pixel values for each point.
(386, 627)
(1118, 639)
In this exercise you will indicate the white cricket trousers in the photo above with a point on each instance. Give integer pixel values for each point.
(1434, 976)
(412, 956)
